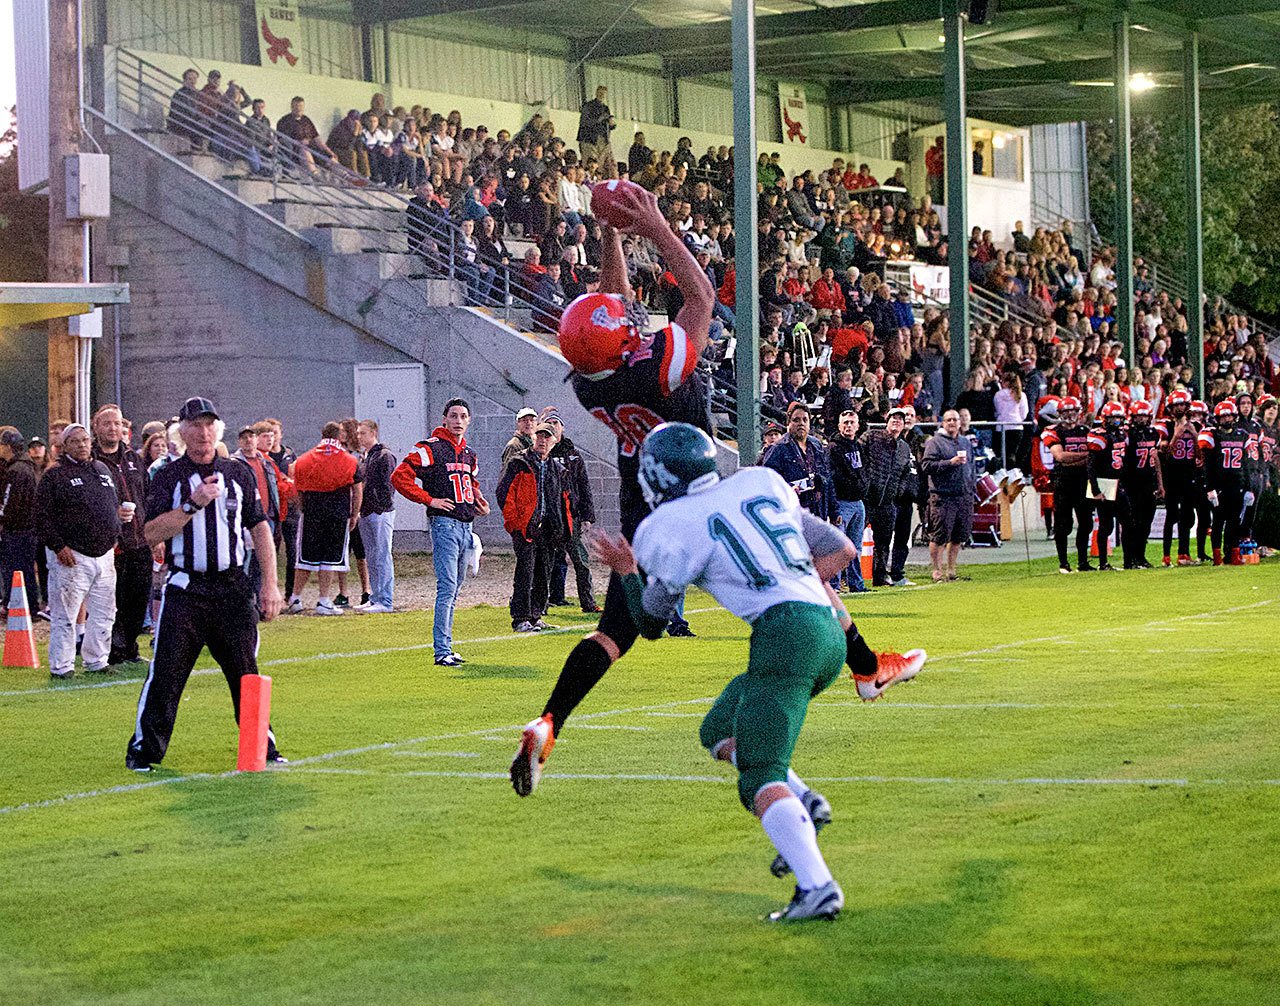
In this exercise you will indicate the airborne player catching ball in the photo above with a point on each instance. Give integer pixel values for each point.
(633, 381)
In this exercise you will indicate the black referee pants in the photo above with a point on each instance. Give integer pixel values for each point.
(219, 612)
(133, 593)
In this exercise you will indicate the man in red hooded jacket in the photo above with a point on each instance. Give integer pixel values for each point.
(330, 482)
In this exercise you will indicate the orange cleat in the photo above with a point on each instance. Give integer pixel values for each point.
(536, 743)
(891, 668)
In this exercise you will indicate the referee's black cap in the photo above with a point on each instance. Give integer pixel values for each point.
(194, 408)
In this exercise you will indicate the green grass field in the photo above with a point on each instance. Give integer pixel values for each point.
(1076, 802)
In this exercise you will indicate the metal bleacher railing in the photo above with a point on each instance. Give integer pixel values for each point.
(141, 107)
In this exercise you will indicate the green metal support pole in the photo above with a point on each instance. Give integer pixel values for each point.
(1124, 191)
(957, 168)
(746, 361)
(1195, 212)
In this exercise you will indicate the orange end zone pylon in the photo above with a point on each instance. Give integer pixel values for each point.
(255, 715)
(868, 554)
(19, 640)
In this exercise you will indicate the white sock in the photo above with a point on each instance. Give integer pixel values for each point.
(792, 834)
(796, 784)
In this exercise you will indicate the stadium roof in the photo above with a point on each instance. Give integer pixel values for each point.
(1037, 61)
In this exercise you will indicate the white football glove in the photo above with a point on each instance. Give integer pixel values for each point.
(1248, 499)
(1212, 496)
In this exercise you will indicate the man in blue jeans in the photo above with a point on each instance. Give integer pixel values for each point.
(440, 473)
(849, 476)
(377, 519)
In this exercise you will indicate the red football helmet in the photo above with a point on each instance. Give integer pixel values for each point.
(1069, 403)
(1199, 408)
(1141, 408)
(1225, 410)
(1111, 412)
(597, 331)
(1179, 397)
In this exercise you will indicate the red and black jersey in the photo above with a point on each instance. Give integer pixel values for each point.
(1107, 447)
(1226, 455)
(658, 383)
(1069, 438)
(1253, 453)
(440, 468)
(1179, 459)
(1142, 450)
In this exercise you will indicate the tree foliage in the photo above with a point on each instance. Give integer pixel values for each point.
(1240, 191)
(24, 219)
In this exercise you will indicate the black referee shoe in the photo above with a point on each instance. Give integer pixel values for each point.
(136, 764)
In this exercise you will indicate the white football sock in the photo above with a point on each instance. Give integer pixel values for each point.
(792, 834)
(796, 784)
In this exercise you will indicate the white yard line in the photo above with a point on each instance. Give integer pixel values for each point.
(327, 756)
(1018, 705)
(852, 779)
(348, 655)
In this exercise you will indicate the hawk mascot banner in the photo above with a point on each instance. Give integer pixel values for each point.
(279, 33)
(795, 115)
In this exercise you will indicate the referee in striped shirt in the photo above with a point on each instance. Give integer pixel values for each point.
(204, 508)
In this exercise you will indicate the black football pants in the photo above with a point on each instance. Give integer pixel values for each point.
(219, 612)
(1137, 511)
(1069, 498)
(133, 594)
(1226, 520)
(1179, 508)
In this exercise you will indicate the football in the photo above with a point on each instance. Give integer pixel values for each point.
(604, 201)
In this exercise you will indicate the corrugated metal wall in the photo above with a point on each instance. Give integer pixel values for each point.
(709, 107)
(1059, 173)
(434, 63)
(206, 30)
(330, 48)
(640, 95)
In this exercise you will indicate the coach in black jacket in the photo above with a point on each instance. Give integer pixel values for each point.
(17, 497)
(583, 508)
(888, 461)
(133, 556)
(78, 519)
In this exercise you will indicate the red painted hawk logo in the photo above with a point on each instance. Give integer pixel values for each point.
(793, 128)
(277, 47)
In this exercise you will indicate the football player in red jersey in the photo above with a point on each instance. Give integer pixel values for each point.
(1225, 449)
(1105, 466)
(1068, 443)
(1248, 422)
(1181, 473)
(1204, 512)
(1142, 483)
(632, 381)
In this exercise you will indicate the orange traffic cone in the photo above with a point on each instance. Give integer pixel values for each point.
(868, 553)
(19, 640)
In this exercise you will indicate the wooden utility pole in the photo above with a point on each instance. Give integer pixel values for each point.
(66, 237)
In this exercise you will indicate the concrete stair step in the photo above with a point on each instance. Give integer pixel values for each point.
(304, 215)
(354, 240)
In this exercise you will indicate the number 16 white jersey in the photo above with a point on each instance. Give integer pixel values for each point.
(741, 540)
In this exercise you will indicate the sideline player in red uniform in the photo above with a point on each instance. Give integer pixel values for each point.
(1143, 483)
(1225, 449)
(1181, 473)
(1106, 461)
(1068, 443)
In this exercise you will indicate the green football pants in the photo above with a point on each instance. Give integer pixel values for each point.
(797, 651)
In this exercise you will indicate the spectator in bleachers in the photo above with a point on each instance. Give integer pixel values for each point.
(346, 140)
(296, 126)
(184, 117)
(595, 123)
(260, 141)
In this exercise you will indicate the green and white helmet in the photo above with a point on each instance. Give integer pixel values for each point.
(676, 459)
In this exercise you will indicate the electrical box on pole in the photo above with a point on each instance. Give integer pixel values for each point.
(88, 178)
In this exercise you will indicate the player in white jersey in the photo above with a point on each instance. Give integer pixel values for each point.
(748, 542)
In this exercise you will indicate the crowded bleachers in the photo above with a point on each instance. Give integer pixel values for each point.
(510, 216)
